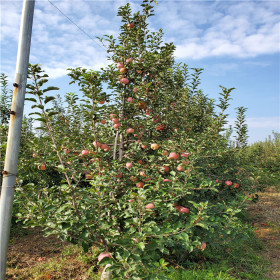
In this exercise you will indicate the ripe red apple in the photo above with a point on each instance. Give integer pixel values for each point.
(160, 127)
(124, 81)
(130, 25)
(85, 152)
(142, 173)
(130, 130)
(165, 153)
(236, 186)
(104, 255)
(103, 121)
(42, 167)
(185, 154)
(96, 144)
(102, 102)
(182, 209)
(150, 206)
(147, 179)
(117, 125)
(142, 105)
(140, 185)
(173, 156)
(130, 100)
(129, 60)
(123, 70)
(164, 169)
(228, 183)
(133, 179)
(112, 116)
(129, 164)
(141, 161)
(203, 246)
(120, 65)
(105, 147)
(144, 146)
(180, 168)
(115, 120)
(154, 146)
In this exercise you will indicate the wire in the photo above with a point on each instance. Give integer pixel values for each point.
(94, 40)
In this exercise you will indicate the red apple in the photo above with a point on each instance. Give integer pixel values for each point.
(160, 127)
(103, 121)
(164, 169)
(115, 120)
(117, 125)
(96, 144)
(147, 179)
(182, 209)
(42, 167)
(150, 206)
(133, 179)
(185, 154)
(130, 25)
(129, 60)
(203, 246)
(142, 173)
(167, 180)
(102, 102)
(104, 255)
(140, 185)
(236, 186)
(144, 146)
(154, 146)
(120, 65)
(180, 168)
(173, 155)
(129, 164)
(228, 183)
(124, 81)
(123, 70)
(130, 100)
(85, 152)
(112, 116)
(130, 130)
(105, 147)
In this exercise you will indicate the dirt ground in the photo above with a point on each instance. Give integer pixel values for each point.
(30, 253)
(266, 219)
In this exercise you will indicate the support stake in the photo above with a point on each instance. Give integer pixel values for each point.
(12, 150)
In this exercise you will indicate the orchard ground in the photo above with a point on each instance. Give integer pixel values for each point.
(33, 256)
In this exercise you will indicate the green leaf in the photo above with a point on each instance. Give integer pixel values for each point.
(48, 99)
(31, 99)
(50, 88)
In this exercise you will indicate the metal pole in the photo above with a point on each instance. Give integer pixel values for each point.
(16, 114)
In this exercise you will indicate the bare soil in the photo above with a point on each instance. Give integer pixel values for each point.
(265, 217)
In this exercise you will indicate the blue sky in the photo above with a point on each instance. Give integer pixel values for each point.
(236, 42)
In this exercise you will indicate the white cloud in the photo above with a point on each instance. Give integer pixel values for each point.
(200, 29)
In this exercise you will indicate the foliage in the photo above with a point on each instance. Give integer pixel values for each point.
(161, 184)
(264, 156)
